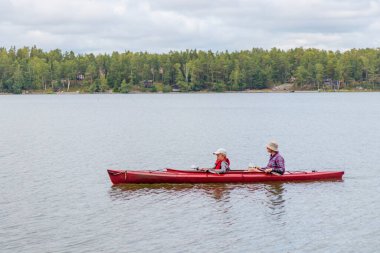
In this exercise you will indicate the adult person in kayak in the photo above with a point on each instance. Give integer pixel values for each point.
(276, 162)
(222, 163)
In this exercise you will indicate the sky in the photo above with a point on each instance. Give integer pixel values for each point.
(104, 26)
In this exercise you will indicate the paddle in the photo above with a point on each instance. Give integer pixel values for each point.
(210, 170)
(194, 167)
(272, 172)
(207, 170)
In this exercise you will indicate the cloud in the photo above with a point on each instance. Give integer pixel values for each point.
(163, 25)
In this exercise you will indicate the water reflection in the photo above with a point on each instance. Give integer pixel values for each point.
(130, 191)
(219, 192)
(275, 200)
(223, 200)
(180, 197)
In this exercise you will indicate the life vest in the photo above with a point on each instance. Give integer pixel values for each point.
(218, 163)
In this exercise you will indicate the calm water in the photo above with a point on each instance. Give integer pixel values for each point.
(55, 195)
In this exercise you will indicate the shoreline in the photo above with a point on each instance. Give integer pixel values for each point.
(192, 92)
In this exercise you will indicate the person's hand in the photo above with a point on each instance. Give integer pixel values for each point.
(269, 170)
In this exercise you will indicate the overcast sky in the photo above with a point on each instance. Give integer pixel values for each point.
(161, 25)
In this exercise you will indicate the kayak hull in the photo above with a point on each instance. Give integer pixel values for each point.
(172, 176)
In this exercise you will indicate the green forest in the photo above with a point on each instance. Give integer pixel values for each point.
(31, 69)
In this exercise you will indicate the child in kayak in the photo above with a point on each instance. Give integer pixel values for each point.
(222, 163)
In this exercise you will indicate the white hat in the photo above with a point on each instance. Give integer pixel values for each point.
(220, 151)
(273, 146)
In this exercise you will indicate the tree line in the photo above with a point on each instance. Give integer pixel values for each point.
(33, 69)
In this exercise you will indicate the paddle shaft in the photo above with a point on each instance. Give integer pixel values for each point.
(272, 172)
(210, 170)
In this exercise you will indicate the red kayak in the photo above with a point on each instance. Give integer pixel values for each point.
(173, 176)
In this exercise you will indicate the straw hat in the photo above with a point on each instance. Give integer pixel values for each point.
(273, 146)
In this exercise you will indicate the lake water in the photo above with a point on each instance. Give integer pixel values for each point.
(55, 194)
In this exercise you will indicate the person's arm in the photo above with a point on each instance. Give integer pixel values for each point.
(263, 168)
(224, 167)
(207, 169)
